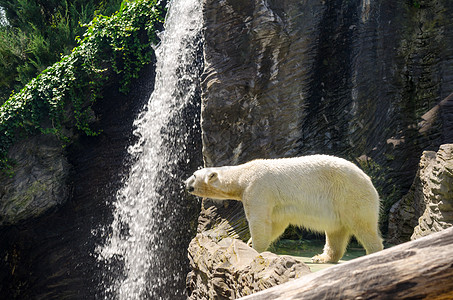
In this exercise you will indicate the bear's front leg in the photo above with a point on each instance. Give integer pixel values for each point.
(260, 231)
(258, 206)
(260, 227)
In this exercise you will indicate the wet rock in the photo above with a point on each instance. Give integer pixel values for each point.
(39, 180)
(51, 256)
(437, 185)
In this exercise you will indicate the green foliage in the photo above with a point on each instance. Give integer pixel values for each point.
(62, 95)
(37, 33)
(416, 3)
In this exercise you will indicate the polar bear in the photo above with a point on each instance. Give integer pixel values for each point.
(319, 192)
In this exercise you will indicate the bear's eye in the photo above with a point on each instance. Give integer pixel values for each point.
(212, 176)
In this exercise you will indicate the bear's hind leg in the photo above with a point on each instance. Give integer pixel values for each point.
(335, 247)
(369, 238)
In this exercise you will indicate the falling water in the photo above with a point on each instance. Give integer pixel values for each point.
(150, 227)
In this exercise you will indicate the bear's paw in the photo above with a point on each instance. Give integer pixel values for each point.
(321, 259)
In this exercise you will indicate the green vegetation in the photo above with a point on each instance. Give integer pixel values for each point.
(416, 3)
(35, 34)
(62, 95)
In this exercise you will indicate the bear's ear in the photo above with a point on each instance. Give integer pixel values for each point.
(212, 176)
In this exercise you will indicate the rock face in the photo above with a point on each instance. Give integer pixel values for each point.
(354, 79)
(39, 182)
(404, 214)
(428, 207)
(230, 269)
(224, 267)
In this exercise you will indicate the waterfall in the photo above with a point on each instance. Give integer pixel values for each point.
(144, 253)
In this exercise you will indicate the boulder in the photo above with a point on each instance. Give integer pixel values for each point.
(228, 269)
(38, 182)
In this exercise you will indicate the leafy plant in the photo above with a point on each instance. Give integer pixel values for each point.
(62, 95)
(35, 34)
(416, 3)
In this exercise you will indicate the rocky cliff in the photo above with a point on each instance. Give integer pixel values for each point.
(365, 80)
(350, 78)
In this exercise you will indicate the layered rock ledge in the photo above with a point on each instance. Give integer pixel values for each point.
(438, 193)
(428, 207)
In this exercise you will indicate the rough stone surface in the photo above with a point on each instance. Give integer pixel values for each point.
(368, 81)
(285, 78)
(404, 214)
(227, 216)
(428, 206)
(229, 269)
(39, 182)
(437, 185)
(353, 79)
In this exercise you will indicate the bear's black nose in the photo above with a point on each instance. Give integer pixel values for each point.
(190, 189)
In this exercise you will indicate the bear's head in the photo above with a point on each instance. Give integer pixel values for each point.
(208, 183)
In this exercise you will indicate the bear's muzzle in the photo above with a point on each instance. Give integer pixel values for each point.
(189, 184)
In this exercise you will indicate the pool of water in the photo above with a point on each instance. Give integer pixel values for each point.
(304, 250)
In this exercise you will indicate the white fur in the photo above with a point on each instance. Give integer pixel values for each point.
(319, 192)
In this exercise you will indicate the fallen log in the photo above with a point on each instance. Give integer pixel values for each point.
(420, 269)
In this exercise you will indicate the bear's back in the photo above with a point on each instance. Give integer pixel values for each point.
(306, 166)
(313, 181)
